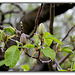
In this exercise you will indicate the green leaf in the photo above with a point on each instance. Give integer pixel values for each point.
(2, 34)
(49, 52)
(48, 42)
(29, 46)
(25, 67)
(47, 35)
(12, 55)
(62, 70)
(37, 40)
(10, 29)
(0, 37)
(2, 62)
(66, 49)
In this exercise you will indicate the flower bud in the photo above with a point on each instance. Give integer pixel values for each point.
(41, 29)
(23, 39)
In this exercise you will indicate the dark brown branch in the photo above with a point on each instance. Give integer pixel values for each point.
(68, 33)
(38, 59)
(17, 6)
(11, 11)
(29, 18)
(6, 23)
(52, 13)
(31, 56)
(1, 27)
(36, 21)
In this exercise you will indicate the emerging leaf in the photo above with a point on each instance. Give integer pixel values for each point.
(66, 49)
(62, 70)
(25, 67)
(10, 29)
(29, 46)
(47, 35)
(49, 52)
(48, 42)
(0, 37)
(37, 40)
(2, 34)
(12, 55)
(2, 62)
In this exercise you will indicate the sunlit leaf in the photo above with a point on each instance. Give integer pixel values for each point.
(10, 29)
(48, 42)
(25, 67)
(62, 70)
(0, 37)
(2, 62)
(37, 40)
(30, 46)
(66, 49)
(2, 34)
(49, 52)
(47, 35)
(12, 55)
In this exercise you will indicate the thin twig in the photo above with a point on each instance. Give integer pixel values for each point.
(38, 59)
(57, 64)
(6, 23)
(67, 33)
(11, 11)
(30, 56)
(36, 21)
(17, 6)
(64, 58)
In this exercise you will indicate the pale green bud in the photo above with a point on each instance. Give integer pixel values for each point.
(41, 29)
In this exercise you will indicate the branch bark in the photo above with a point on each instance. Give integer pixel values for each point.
(29, 18)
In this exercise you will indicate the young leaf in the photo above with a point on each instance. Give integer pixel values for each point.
(48, 42)
(49, 52)
(47, 35)
(2, 62)
(62, 70)
(0, 37)
(10, 29)
(66, 49)
(25, 67)
(2, 34)
(12, 55)
(37, 40)
(29, 46)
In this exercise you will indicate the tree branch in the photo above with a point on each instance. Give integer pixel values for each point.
(57, 64)
(29, 18)
(67, 33)
(36, 21)
(17, 6)
(52, 13)
(64, 58)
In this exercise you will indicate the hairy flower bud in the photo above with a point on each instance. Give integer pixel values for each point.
(23, 39)
(41, 29)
